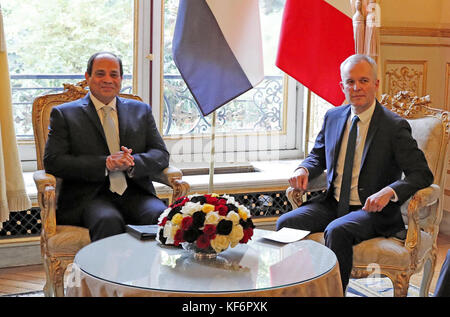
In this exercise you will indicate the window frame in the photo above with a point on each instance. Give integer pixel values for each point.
(148, 81)
(259, 146)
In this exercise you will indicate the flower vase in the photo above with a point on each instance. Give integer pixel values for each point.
(199, 253)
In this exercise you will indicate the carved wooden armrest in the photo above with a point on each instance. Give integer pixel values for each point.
(422, 198)
(46, 186)
(172, 177)
(295, 195)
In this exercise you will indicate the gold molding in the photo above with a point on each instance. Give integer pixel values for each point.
(405, 62)
(414, 31)
(447, 87)
(385, 43)
(7, 241)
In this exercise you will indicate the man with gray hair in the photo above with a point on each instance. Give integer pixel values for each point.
(365, 148)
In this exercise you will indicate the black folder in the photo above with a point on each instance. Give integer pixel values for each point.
(142, 232)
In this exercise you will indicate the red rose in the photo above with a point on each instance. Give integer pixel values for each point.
(203, 241)
(212, 200)
(163, 222)
(186, 222)
(221, 209)
(182, 203)
(222, 201)
(178, 238)
(210, 231)
(248, 233)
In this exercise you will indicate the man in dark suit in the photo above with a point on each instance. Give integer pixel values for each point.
(365, 148)
(106, 150)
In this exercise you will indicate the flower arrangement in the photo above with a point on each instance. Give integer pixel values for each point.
(209, 222)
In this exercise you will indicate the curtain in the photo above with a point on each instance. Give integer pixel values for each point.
(13, 196)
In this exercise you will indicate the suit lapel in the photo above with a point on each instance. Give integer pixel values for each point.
(89, 109)
(122, 110)
(336, 136)
(373, 127)
(339, 132)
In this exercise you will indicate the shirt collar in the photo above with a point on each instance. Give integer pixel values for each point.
(98, 104)
(366, 115)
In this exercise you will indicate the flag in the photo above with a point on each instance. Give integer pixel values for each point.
(316, 37)
(217, 48)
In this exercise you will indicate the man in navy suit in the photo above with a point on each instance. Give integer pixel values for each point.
(106, 149)
(383, 150)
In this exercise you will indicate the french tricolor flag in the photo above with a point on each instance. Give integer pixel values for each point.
(316, 37)
(217, 48)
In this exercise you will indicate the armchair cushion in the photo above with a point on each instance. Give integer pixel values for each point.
(68, 240)
(390, 252)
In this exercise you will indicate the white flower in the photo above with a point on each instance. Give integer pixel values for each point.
(212, 218)
(164, 214)
(189, 208)
(231, 200)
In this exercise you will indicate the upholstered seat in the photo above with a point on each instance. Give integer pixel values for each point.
(68, 240)
(59, 243)
(400, 257)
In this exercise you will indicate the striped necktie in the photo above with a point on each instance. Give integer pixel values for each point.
(117, 180)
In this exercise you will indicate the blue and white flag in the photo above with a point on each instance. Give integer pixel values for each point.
(217, 48)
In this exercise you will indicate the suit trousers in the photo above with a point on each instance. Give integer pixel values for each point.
(108, 213)
(340, 233)
(443, 283)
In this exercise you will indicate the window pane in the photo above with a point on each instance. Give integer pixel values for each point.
(49, 43)
(259, 110)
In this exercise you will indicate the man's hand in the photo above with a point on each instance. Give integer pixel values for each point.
(379, 200)
(299, 179)
(120, 161)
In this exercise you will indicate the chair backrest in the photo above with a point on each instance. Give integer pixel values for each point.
(43, 105)
(431, 129)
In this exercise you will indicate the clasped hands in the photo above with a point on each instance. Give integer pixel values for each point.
(374, 203)
(120, 161)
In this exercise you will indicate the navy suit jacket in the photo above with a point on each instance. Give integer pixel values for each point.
(389, 151)
(76, 151)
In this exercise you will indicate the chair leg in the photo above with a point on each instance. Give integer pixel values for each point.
(55, 277)
(48, 287)
(428, 270)
(401, 284)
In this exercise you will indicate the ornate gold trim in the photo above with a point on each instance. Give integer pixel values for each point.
(415, 44)
(19, 240)
(414, 31)
(386, 80)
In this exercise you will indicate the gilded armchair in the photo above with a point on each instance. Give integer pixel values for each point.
(59, 243)
(399, 258)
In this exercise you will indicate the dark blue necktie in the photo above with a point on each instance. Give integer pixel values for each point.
(344, 197)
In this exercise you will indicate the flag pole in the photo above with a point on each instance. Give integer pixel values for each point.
(212, 153)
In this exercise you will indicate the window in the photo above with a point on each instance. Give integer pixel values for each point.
(260, 124)
(49, 43)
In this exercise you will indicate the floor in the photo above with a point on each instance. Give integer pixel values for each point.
(30, 278)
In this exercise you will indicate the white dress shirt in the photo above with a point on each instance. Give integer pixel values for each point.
(363, 127)
(99, 105)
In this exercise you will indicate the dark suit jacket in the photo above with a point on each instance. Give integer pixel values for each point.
(76, 151)
(389, 151)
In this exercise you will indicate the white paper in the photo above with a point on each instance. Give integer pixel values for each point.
(287, 235)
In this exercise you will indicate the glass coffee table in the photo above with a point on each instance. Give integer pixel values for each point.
(122, 265)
